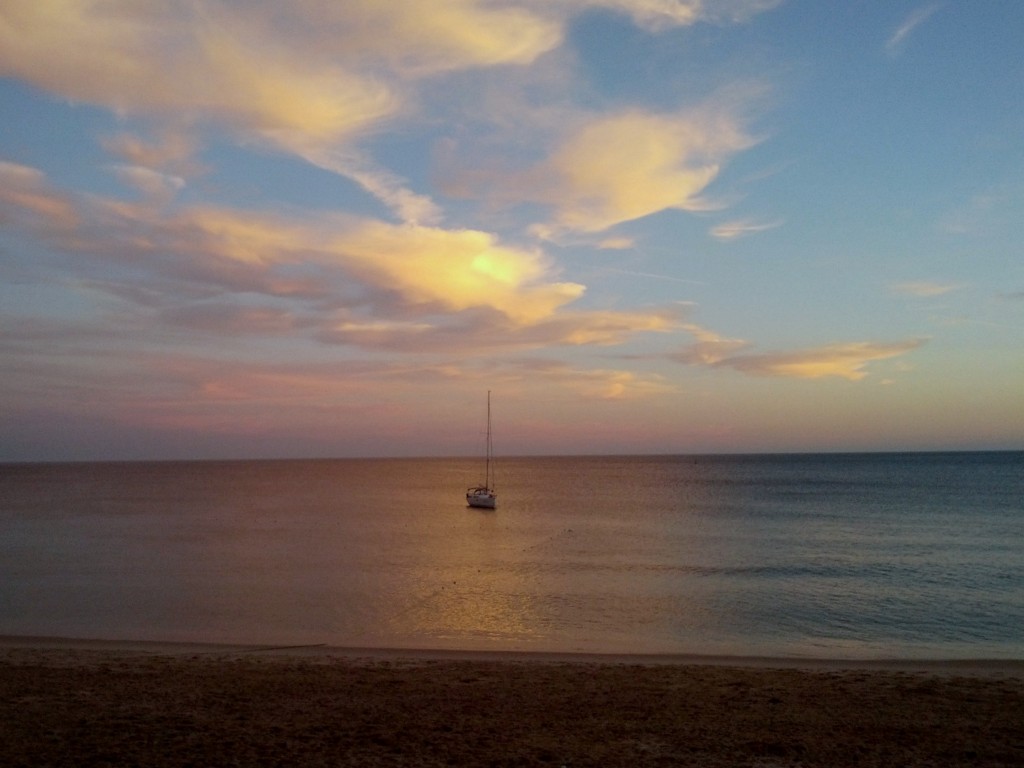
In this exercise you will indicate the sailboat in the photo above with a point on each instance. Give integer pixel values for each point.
(483, 495)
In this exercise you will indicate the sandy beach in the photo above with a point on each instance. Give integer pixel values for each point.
(113, 704)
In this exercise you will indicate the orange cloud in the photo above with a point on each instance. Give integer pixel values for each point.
(324, 70)
(421, 37)
(616, 244)
(185, 61)
(842, 360)
(454, 269)
(314, 77)
(348, 280)
(845, 361)
(628, 165)
(443, 270)
(26, 196)
(601, 328)
(604, 384)
(172, 151)
(584, 383)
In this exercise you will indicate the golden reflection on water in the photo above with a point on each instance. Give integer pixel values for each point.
(476, 597)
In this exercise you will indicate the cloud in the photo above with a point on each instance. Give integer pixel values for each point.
(182, 390)
(454, 269)
(425, 36)
(310, 79)
(485, 332)
(316, 66)
(584, 383)
(27, 200)
(911, 23)
(616, 244)
(450, 269)
(601, 383)
(340, 279)
(601, 328)
(224, 318)
(68, 366)
(709, 349)
(656, 15)
(846, 360)
(317, 77)
(170, 151)
(318, 407)
(410, 207)
(188, 59)
(732, 230)
(651, 275)
(923, 288)
(842, 360)
(168, 297)
(159, 187)
(619, 167)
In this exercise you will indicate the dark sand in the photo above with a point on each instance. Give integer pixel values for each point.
(120, 704)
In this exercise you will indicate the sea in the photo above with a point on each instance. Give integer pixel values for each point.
(850, 556)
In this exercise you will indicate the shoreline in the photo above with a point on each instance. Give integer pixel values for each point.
(55, 646)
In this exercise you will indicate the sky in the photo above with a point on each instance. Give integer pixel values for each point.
(253, 229)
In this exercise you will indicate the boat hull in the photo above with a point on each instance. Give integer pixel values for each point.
(481, 498)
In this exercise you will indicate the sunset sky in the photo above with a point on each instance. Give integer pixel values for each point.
(250, 228)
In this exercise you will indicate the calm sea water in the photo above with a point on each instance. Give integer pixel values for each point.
(877, 555)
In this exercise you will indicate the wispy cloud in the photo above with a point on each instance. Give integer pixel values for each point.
(911, 23)
(312, 84)
(650, 275)
(317, 85)
(624, 166)
(591, 384)
(616, 244)
(657, 14)
(344, 279)
(27, 200)
(198, 60)
(316, 80)
(161, 188)
(846, 360)
(408, 206)
(710, 348)
(923, 288)
(731, 230)
(171, 150)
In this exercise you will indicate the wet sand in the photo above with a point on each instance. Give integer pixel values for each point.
(117, 704)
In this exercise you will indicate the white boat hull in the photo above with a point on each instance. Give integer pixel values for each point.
(481, 498)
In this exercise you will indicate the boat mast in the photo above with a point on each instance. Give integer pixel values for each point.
(487, 466)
